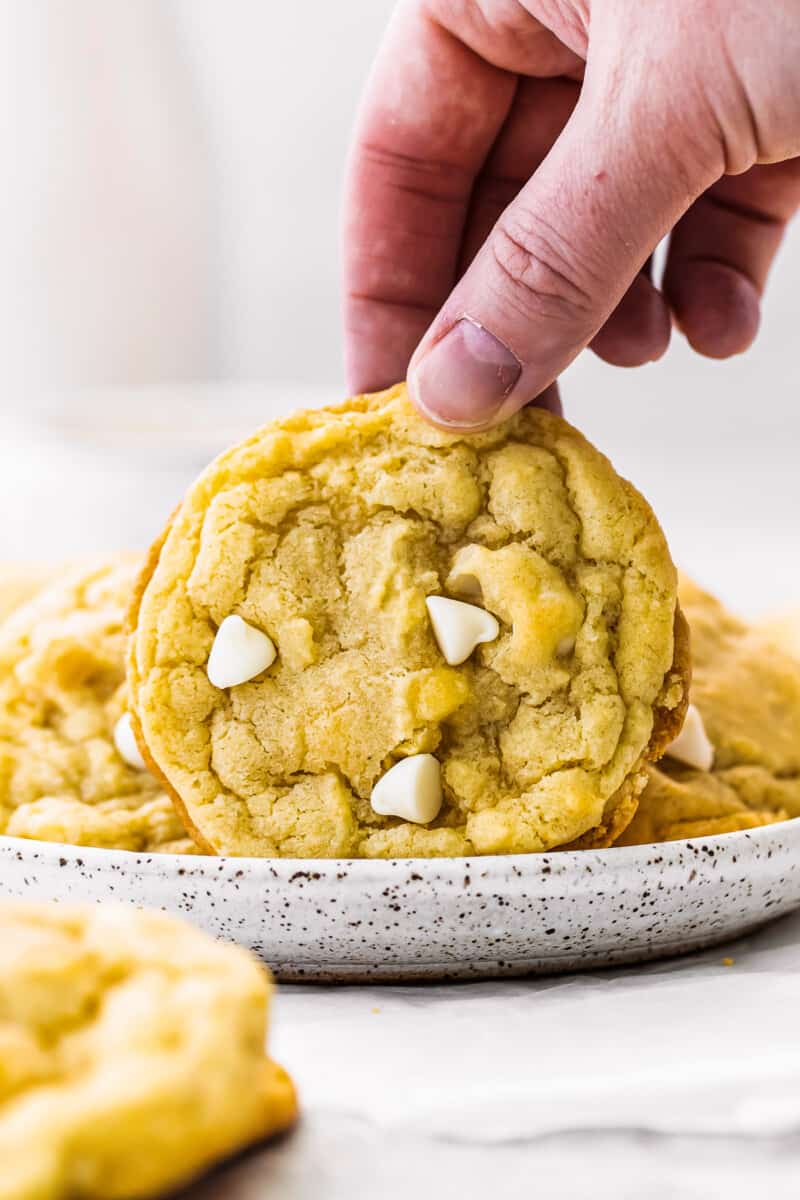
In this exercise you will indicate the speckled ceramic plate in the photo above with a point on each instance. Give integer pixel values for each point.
(443, 918)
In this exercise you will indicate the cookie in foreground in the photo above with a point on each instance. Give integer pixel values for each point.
(364, 636)
(738, 765)
(131, 1053)
(64, 776)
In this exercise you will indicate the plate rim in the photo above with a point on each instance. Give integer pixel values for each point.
(535, 862)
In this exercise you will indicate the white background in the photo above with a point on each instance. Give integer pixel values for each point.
(170, 208)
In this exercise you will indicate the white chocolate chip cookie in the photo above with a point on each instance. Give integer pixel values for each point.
(334, 534)
(68, 773)
(739, 764)
(131, 1053)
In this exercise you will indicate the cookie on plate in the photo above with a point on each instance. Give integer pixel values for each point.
(363, 636)
(736, 765)
(131, 1053)
(69, 766)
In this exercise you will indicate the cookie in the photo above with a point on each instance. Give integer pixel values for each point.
(131, 1053)
(784, 631)
(62, 694)
(19, 582)
(746, 692)
(300, 695)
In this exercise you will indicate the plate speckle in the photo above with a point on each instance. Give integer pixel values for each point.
(456, 918)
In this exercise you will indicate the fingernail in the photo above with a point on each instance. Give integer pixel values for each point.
(465, 377)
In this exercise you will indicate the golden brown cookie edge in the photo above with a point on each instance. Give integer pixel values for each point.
(669, 721)
(131, 619)
(621, 808)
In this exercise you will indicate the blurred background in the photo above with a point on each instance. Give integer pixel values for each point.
(169, 279)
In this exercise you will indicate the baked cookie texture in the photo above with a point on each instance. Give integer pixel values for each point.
(747, 691)
(20, 582)
(784, 631)
(62, 689)
(326, 530)
(131, 1053)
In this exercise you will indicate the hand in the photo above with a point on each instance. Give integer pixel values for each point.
(516, 163)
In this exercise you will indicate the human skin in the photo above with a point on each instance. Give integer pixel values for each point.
(515, 164)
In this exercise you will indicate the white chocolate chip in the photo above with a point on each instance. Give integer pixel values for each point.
(692, 745)
(239, 653)
(411, 789)
(126, 745)
(459, 627)
(565, 647)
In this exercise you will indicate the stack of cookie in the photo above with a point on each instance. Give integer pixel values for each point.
(737, 762)
(361, 636)
(70, 770)
(132, 1046)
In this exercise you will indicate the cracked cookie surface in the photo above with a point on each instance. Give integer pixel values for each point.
(62, 689)
(747, 691)
(327, 530)
(131, 1053)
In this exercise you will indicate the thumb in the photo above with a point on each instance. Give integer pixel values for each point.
(560, 258)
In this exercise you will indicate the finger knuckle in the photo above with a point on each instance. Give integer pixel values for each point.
(544, 274)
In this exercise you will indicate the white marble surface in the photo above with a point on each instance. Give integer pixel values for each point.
(678, 1080)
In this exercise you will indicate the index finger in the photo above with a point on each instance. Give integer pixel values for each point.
(431, 111)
